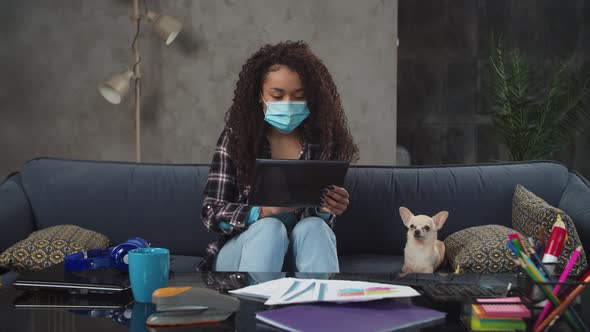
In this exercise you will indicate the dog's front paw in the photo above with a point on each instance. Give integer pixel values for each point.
(405, 271)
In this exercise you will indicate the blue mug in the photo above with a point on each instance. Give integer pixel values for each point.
(149, 269)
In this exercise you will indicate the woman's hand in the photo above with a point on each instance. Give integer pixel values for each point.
(334, 200)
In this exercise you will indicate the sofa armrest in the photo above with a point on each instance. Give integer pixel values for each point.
(575, 201)
(7, 278)
(16, 217)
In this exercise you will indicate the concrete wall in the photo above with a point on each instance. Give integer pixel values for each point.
(445, 74)
(54, 54)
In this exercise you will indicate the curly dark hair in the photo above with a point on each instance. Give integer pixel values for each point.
(326, 125)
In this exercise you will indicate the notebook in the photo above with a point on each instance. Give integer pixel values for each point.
(497, 325)
(364, 316)
(504, 310)
(478, 313)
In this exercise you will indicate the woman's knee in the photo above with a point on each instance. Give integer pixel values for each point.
(312, 225)
(269, 229)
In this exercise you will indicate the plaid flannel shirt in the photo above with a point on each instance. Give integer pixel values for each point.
(225, 207)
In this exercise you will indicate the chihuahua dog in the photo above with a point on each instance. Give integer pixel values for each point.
(424, 253)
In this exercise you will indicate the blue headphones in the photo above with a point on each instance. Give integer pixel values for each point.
(95, 259)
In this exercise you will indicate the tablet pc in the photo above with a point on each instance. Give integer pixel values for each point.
(294, 183)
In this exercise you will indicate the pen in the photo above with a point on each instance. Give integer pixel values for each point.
(541, 265)
(519, 249)
(512, 248)
(531, 241)
(519, 245)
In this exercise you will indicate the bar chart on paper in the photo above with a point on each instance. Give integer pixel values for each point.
(366, 291)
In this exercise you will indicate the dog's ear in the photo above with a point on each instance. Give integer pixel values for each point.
(439, 219)
(406, 215)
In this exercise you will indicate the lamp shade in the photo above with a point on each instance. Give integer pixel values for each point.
(166, 26)
(116, 87)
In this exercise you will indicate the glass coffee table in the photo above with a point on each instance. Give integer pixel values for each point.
(132, 317)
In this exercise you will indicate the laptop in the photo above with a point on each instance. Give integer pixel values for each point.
(104, 281)
(294, 183)
(65, 300)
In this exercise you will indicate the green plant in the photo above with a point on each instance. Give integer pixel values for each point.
(536, 117)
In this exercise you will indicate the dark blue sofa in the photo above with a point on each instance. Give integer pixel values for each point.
(162, 203)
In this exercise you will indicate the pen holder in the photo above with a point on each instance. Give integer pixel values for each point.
(537, 293)
(524, 288)
(566, 288)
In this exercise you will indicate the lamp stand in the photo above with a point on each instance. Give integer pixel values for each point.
(137, 77)
(116, 87)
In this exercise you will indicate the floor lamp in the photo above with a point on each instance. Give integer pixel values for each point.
(115, 88)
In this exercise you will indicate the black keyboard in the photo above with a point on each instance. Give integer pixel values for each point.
(424, 279)
(414, 279)
(462, 292)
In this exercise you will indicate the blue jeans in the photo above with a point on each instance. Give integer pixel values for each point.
(309, 247)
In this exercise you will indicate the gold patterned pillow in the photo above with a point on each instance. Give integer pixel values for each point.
(49, 246)
(530, 213)
(481, 249)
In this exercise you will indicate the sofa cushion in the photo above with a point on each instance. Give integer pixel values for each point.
(49, 246)
(530, 213)
(481, 249)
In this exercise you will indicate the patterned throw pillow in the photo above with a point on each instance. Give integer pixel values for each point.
(49, 246)
(481, 249)
(530, 213)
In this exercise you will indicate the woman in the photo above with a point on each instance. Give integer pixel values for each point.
(285, 106)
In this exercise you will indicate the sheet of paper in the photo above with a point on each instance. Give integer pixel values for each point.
(292, 290)
(311, 290)
(266, 289)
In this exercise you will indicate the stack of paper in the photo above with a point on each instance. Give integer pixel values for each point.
(292, 290)
(499, 317)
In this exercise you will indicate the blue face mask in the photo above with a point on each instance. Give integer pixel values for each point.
(285, 116)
